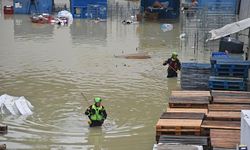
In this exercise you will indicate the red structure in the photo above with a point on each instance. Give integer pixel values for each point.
(8, 10)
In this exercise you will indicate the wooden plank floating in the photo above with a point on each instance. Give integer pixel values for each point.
(188, 110)
(224, 138)
(181, 115)
(210, 124)
(223, 115)
(190, 140)
(228, 107)
(178, 127)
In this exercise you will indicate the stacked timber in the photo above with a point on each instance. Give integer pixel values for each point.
(189, 99)
(222, 121)
(195, 76)
(193, 116)
(230, 97)
(224, 139)
(178, 123)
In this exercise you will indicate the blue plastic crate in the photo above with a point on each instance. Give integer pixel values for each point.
(225, 83)
(236, 69)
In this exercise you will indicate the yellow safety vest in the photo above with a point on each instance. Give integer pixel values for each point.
(97, 116)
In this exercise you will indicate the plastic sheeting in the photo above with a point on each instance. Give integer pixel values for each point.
(15, 105)
(66, 14)
(166, 27)
(229, 29)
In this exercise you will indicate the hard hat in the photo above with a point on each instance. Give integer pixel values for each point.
(97, 99)
(174, 54)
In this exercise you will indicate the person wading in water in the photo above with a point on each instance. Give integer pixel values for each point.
(173, 65)
(96, 113)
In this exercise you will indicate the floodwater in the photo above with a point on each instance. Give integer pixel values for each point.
(51, 65)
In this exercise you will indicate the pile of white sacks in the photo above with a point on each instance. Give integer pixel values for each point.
(15, 105)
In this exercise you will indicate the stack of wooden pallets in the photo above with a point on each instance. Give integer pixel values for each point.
(193, 115)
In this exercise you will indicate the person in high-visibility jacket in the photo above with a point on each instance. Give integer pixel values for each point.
(96, 113)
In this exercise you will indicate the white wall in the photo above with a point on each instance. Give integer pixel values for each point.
(245, 128)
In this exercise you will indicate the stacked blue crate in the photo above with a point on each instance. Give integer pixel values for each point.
(227, 83)
(34, 6)
(194, 76)
(224, 68)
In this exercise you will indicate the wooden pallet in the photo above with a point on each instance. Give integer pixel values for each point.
(223, 115)
(230, 97)
(188, 110)
(189, 99)
(228, 107)
(165, 146)
(186, 93)
(188, 140)
(224, 138)
(182, 115)
(178, 127)
(211, 124)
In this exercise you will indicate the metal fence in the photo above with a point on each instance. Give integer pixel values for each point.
(195, 26)
(121, 11)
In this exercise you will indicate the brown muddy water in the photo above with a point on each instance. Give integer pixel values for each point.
(51, 65)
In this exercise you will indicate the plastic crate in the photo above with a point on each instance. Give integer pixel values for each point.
(226, 83)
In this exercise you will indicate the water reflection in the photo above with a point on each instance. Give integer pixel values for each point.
(25, 30)
(88, 32)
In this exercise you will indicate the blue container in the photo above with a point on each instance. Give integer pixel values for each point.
(28, 7)
(89, 9)
(171, 11)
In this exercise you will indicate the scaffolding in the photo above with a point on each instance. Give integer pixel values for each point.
(195, 26)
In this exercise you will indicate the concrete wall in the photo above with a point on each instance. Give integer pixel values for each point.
(245, 128)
